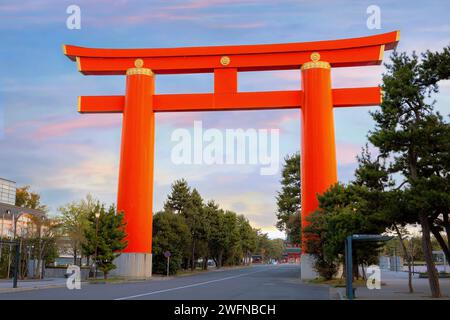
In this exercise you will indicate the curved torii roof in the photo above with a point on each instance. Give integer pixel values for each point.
(339, 53)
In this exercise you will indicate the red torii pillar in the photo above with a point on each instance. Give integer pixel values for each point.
(318, 149)
(135, 192)
(316, 100)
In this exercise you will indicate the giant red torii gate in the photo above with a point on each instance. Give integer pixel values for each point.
(316, 100)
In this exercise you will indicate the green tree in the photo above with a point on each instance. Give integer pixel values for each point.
(289, 199)
(223, 236)
(194, 216)
(170, 233)
(28, 199)
(409, 132)
(189, 204)
(383, 200)
(46, 231)
(343, 211)
(105, 238)
(179, 197)
(231, 237)
(247, 239)
(276, 249)
(74, 220)
(223, 233)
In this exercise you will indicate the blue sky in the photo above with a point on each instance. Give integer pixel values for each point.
(64, 155)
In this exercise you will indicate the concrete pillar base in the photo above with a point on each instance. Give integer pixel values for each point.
(307, 271)
(133, 266)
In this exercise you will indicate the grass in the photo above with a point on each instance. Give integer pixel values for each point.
(189, 272)
(337, 283)
(109, 280)
(440, 274)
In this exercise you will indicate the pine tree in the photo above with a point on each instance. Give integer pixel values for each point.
(105, 237)
(170, 233)
(409, 132)
(289, 198)
(179, 197)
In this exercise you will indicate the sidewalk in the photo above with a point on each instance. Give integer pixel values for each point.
(395, 287)
(6, 285)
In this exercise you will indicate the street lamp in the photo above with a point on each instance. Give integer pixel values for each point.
(97, 216)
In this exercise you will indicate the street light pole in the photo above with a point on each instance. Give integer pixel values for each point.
(168, 264)
(14, 226)
(97, 216)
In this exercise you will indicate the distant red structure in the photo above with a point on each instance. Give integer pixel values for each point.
(291, 254)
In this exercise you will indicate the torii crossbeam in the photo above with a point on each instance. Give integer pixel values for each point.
(316, 100)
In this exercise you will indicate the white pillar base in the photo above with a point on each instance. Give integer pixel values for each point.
(307, 271)
(133, 266)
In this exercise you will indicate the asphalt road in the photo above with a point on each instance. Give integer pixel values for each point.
(253, 283)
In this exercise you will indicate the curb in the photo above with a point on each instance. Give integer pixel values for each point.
(50, 286)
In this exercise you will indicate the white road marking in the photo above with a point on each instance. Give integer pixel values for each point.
(189, 286)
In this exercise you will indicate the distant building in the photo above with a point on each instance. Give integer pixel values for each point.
(14, 220)
(291, 253)
(7, 191)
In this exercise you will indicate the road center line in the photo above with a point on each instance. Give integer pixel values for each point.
(189, 286)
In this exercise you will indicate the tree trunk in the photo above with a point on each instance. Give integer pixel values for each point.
(193, 255)
(446, 224)
(408, 258)
(433, 278)
(441, 242)
(219, 260)
(38, 267)
(188, 263)
(74, 255)
(355, 268)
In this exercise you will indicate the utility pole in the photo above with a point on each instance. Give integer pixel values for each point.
(168, 264)
(167, 254)
(97, 216)
(16, 264)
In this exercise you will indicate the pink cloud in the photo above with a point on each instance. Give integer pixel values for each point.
(178, 119)
(191, 11)
(346, 152)
(369, 76)
(201, 4)
(284, 119)
(249, 25)
(20, 6)
(66, 127)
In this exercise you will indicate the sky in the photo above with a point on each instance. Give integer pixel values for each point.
(63, 155)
